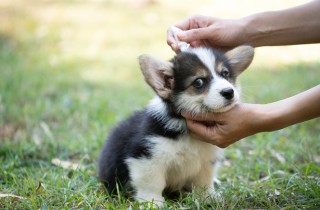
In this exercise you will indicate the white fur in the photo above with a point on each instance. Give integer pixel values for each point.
(158, 109)
(190, 104)
(188, 162)
(185, 162)
(214, 100)
(206, 56)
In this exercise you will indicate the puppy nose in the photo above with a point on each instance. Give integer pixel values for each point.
(227, 93)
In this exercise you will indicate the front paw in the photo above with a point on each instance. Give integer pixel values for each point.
(216, 181)
(215, 195)
(150, 201)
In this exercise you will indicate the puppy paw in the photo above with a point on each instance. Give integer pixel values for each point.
(215, 195)
(151, 205)
(216, 181)
(151, 201)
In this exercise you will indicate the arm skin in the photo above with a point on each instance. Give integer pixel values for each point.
(248, 119)
(297, 25)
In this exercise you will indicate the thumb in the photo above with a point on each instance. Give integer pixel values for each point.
(193, 34)
(200, 117)
(201, 131)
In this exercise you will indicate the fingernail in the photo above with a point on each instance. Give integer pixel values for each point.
(180, 36)
(174, 47)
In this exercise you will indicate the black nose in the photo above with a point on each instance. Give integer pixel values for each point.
(227, 93)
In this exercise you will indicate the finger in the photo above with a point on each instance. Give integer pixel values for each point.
(206, 134)
(199, 117)
(197, 43)
(207, 43)
(223, 145)
(193, 34)
(200, 130)
(175, 47)
(171, 40)
(194, 21)
(184, 24)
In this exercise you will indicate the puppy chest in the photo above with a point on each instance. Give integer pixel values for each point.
(185, 159)
(182, 169)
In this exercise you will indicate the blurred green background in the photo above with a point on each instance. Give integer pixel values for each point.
(69, 73)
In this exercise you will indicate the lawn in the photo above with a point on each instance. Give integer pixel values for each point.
(69, 73)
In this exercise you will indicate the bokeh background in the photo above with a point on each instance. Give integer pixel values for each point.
(69, 73)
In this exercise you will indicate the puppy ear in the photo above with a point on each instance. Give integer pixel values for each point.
(158, 74)
(240, 58)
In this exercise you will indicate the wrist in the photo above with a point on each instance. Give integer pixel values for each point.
(264, 118)
(255, 118)
(274, 116)
(256, 31)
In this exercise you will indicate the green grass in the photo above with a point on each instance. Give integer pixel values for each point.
(69, 73)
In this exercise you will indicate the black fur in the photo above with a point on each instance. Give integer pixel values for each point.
(184, 65)
(128, 140)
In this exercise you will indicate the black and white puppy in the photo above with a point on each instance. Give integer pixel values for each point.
(152, 150)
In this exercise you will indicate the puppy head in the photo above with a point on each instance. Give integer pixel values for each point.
(199, 79)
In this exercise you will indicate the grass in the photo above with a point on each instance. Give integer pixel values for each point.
(69, 73)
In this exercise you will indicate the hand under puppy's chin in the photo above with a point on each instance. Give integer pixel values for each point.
(208, 123)
(223, 109)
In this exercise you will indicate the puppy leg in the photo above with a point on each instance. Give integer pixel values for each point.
(213, 193)
(148, 179)
(203, 183)
(216, 167)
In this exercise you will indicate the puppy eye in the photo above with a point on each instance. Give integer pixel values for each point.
(225, 73)
(199, 83)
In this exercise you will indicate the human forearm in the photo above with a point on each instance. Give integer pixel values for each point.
(298, 25)
(296, 109)
(248, 119)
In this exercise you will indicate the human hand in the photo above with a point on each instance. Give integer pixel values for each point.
(247, 119)
(207, 31)
(224, 128)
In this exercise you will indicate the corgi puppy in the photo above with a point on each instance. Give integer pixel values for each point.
(152, 150)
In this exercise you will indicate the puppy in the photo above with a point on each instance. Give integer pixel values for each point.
(152, 150)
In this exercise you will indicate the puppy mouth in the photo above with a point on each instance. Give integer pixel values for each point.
(229, 103)
(223, 108)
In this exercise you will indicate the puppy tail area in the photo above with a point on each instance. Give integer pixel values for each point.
(116, 188)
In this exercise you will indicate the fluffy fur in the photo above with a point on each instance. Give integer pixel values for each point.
(152, 150)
